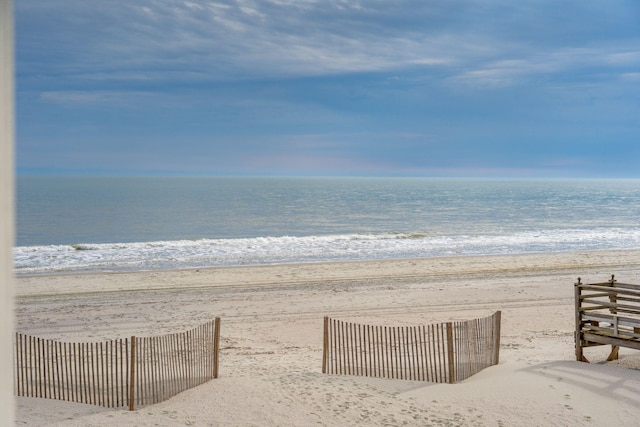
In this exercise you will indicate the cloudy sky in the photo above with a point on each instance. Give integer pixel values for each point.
(496, 88)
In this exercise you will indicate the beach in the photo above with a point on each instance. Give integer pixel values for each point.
(271, 340)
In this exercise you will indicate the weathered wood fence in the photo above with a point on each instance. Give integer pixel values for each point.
(442, 353)
(607, 313)
(123, 372)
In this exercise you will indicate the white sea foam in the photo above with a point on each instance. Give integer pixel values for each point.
(289, 249)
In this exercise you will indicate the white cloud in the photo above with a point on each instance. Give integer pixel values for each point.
(120, 98)
(578, 63)
(234, 39)
(187, 42)
(635, 77)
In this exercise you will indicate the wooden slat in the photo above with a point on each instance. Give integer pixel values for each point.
(611, 318)
(610, 340)
(619, 288)
(132, 372)
(628, 308)
(626, 332)
(371, 352)
(166, 365)
(633, 299)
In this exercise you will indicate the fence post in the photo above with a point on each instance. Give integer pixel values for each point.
(496, 330)
(578, 332)
(216, 345)
(450, 352)
(325, 345)
(17, 365)
(132, 375)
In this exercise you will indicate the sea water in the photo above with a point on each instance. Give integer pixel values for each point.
(72, 224)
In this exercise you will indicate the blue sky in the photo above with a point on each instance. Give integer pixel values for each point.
(333, 87)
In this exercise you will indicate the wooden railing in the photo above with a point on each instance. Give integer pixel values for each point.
(607, 313)
(443, 353)
(124, 372)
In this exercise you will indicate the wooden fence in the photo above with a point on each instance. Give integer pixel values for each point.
(607, 313)
(123, 372)
(442, 353)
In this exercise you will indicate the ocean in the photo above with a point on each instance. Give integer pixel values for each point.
(111, 224)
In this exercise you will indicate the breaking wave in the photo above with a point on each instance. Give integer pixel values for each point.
(202, 253)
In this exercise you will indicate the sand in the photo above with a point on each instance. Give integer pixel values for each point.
(271, 340)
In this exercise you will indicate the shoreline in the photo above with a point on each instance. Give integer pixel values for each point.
(401, 269)
(271, 340)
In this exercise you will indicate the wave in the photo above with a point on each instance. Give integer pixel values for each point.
(81, 247)
(203, 253)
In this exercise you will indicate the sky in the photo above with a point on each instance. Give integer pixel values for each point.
(476, 88)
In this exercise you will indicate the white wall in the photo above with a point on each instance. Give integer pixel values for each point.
(6, 211)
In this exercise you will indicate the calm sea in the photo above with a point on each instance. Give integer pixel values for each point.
(67, 224)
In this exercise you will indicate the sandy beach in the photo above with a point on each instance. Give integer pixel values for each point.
(271, 341)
